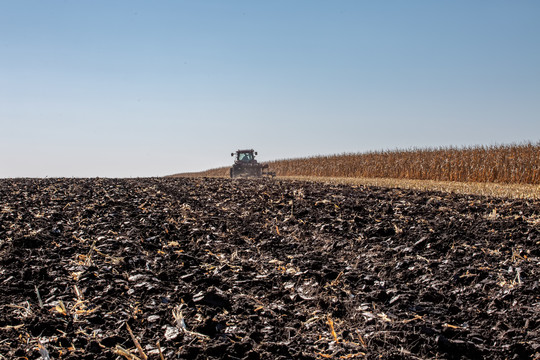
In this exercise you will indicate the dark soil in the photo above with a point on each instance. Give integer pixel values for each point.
(258, 269)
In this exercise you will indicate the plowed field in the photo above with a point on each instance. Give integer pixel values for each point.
(256, 269)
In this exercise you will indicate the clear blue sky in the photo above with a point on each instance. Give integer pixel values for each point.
(124, 88)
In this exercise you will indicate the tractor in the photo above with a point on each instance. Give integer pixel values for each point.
(246, 166)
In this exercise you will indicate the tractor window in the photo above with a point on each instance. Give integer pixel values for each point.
(245, 157)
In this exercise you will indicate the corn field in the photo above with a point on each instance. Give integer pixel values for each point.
(512, 164)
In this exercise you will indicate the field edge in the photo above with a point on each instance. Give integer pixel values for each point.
(513, 191)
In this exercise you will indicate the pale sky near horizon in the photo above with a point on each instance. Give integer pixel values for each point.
(129, 88)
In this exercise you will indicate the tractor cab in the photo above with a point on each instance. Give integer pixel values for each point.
(245, 155)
